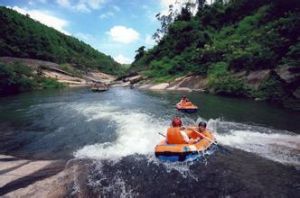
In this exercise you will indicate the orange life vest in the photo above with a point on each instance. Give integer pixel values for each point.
(185, 103)
(194, 135)
(174, 136)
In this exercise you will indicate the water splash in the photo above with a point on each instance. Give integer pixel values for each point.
(137, 132)
(108, 185)
(276, 145)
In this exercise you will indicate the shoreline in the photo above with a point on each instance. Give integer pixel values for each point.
(199, 83)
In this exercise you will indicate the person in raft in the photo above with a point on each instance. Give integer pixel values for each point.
(197, 132)
(185, 101)
(176, 133)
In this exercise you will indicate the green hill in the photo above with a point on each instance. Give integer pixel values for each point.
(230, 42)
(21, 36)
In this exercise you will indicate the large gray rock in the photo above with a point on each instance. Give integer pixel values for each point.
(288, 73)
(296, 93)
(194, 82)
(134, 79)
(255, 78)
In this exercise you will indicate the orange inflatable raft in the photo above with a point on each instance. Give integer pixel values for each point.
(183, 152)
(190, 108)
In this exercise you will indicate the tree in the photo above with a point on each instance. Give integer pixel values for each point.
(140, 53)
(165, 21)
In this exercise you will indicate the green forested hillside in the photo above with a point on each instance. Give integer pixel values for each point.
(21, 36)
(225, 42)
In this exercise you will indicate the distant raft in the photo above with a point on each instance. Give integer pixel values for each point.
(183, 152)
(99, 89)
(190, 108)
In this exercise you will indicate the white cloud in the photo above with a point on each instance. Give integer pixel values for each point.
(123, 34)
(106, 15)
(149, 41)
(88, 38)
(177, 5)
(166, 3)
(94, 4)
(45, 17)
(122, 59)
(63, 3)
(33, 2)
(81, 5)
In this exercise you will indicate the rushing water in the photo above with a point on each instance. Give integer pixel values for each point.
(116, 131)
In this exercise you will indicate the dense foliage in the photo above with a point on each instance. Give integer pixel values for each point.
(224, 38)
(21, 36)
(15, 78)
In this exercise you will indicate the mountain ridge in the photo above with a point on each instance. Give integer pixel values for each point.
(24, 37)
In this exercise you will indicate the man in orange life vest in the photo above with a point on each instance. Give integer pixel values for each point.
(176, 133)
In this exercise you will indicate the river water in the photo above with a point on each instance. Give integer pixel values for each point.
(115, 133)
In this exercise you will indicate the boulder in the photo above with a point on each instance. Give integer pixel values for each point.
(289, 74)
(134, 79)
(194, 82)
(240, 75)
(255, 78)
(296, 93)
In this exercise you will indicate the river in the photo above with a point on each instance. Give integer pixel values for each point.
(116, 131)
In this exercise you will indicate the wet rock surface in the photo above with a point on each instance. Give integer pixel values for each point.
(225, 174)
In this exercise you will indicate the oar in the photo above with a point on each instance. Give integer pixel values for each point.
(213, 142)
(161, 134)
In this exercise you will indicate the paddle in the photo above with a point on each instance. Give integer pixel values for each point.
(213, 142)
(203, 136)
(161, 134)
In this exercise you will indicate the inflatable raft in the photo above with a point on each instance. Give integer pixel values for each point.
(96, 89)
(189, 109)
(183, 152)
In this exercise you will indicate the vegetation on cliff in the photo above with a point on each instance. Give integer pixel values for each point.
(227, 38)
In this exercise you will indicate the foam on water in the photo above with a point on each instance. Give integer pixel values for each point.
(137, 132)
(276, 145)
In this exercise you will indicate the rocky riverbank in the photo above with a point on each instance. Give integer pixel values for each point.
(280, 86)
(73, 78)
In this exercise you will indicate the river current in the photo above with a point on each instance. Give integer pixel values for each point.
(115, 133)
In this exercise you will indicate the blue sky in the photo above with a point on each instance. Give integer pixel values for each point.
(114, 27)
